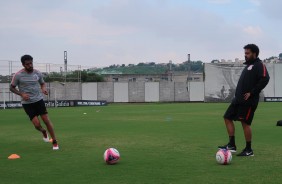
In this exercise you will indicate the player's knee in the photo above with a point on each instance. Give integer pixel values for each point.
(245, 125)
(227, 120)
(36, 123)
(45, 119)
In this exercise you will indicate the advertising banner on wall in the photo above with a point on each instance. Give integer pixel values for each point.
(273, 99)
(221, 81)
(59, 103)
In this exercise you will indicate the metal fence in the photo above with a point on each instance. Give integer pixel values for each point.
(52, 71)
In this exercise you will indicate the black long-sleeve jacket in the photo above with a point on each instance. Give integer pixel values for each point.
(253, 80)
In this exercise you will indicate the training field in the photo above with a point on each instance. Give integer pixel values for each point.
(159, 143)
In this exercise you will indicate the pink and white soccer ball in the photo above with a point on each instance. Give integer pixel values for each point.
(223, 156)
(111, 156)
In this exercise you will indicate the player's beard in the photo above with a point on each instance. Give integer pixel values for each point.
(29, 69)
(249, 59)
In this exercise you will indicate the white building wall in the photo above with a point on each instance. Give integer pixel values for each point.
(278, 80)
(121, 92)
(89, 91)
(152, 92)
(197, 91)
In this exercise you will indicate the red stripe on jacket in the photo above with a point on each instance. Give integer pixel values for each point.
(249, 113)
(15, 76)
(264, 70)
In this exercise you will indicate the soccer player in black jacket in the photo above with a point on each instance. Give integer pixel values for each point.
(252, 81)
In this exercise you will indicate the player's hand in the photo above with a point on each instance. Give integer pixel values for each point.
(44, 91)
(247, 96)
(25, 96)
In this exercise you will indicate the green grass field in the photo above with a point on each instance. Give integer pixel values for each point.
(159, 143)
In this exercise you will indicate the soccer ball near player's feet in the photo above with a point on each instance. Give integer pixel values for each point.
(111, 156)
(223, 156)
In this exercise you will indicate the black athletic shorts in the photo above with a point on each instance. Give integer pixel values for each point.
(35, 109)
(238, 112)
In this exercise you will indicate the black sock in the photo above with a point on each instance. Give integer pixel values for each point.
(54, 141)
(248, 145)
(232, 140)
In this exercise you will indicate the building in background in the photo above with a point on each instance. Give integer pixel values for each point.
(175, 77)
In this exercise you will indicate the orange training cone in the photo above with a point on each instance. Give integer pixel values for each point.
(14, 156)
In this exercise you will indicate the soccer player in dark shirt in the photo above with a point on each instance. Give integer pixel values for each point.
(252, 81)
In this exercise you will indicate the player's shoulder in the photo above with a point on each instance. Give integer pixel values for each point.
(259, 63)
(36, 71)
(19, 72)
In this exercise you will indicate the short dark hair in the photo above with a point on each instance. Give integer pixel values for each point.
(253, 48)
(26, 58)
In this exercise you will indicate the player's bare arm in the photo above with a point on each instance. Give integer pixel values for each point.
(247, 96)
(25, 96)
(43, 89)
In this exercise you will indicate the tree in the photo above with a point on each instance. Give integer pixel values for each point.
(73, 76)
(90, 77)
(141, 64)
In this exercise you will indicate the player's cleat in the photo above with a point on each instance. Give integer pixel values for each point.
(229, 147)
(55, 145)
(246, 153)
(45, 136)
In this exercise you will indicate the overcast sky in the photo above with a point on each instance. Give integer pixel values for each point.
(104, 32)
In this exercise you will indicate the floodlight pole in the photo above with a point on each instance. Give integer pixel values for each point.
(10, 76)
(55, 96)
(66, 64)
(66, 70)
(189, 76)
(4, 101)
(170, 69)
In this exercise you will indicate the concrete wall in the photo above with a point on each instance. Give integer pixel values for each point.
(181, 92)
(68, 91)
(152, 93)
(64, 91)
(167, 91)
(6, 95)
(136, 91)
(106, 91)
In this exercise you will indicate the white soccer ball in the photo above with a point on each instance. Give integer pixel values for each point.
(223, 156)
(111, 156)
